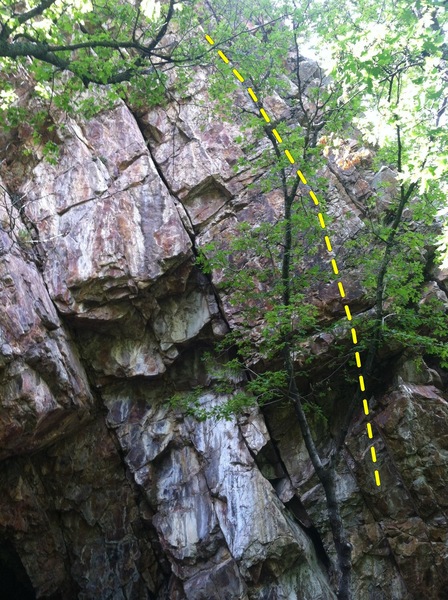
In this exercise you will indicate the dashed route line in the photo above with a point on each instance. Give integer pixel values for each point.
(321, 219)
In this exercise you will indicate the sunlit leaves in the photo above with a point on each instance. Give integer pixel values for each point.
(7, 97)
(151, 9)
(98, 41)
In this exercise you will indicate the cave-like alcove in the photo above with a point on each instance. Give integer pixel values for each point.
(14, 581)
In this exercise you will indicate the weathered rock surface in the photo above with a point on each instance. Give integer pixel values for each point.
(111, 226)
(44, 390)
(106, 492)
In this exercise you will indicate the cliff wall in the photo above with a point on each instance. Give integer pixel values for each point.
(108, 493)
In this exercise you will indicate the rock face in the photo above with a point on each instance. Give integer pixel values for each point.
(44, 390)
(107, 492)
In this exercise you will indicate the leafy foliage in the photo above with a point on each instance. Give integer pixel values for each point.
(384, 80)
(387, 75)
(63, 47)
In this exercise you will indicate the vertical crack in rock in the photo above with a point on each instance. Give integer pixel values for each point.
(186, 221)
(270, 463)
(109, 492)
(182, 213)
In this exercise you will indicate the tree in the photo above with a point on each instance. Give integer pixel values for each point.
(389, 61)
(391, 65)
(79, 57)
(395, 67)
(98, 42)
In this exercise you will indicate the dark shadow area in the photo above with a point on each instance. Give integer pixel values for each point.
(14, 581)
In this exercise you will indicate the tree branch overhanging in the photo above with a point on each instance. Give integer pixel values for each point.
(48, 53)
(325, 470)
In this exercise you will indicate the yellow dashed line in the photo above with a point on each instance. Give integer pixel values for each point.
(264, 115)
(277, 136)
(321, 220)
(327, 242)
(289, 156)
(313, 196)
(361, 383)
(238, 75)
(302, 177)
(252, 94)
(223, 56)
(335, 266)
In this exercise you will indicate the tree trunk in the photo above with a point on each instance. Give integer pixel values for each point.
(326, 474)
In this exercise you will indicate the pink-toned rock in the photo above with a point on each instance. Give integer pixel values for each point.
(126, 497)
(103, 215)
(44, 389)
